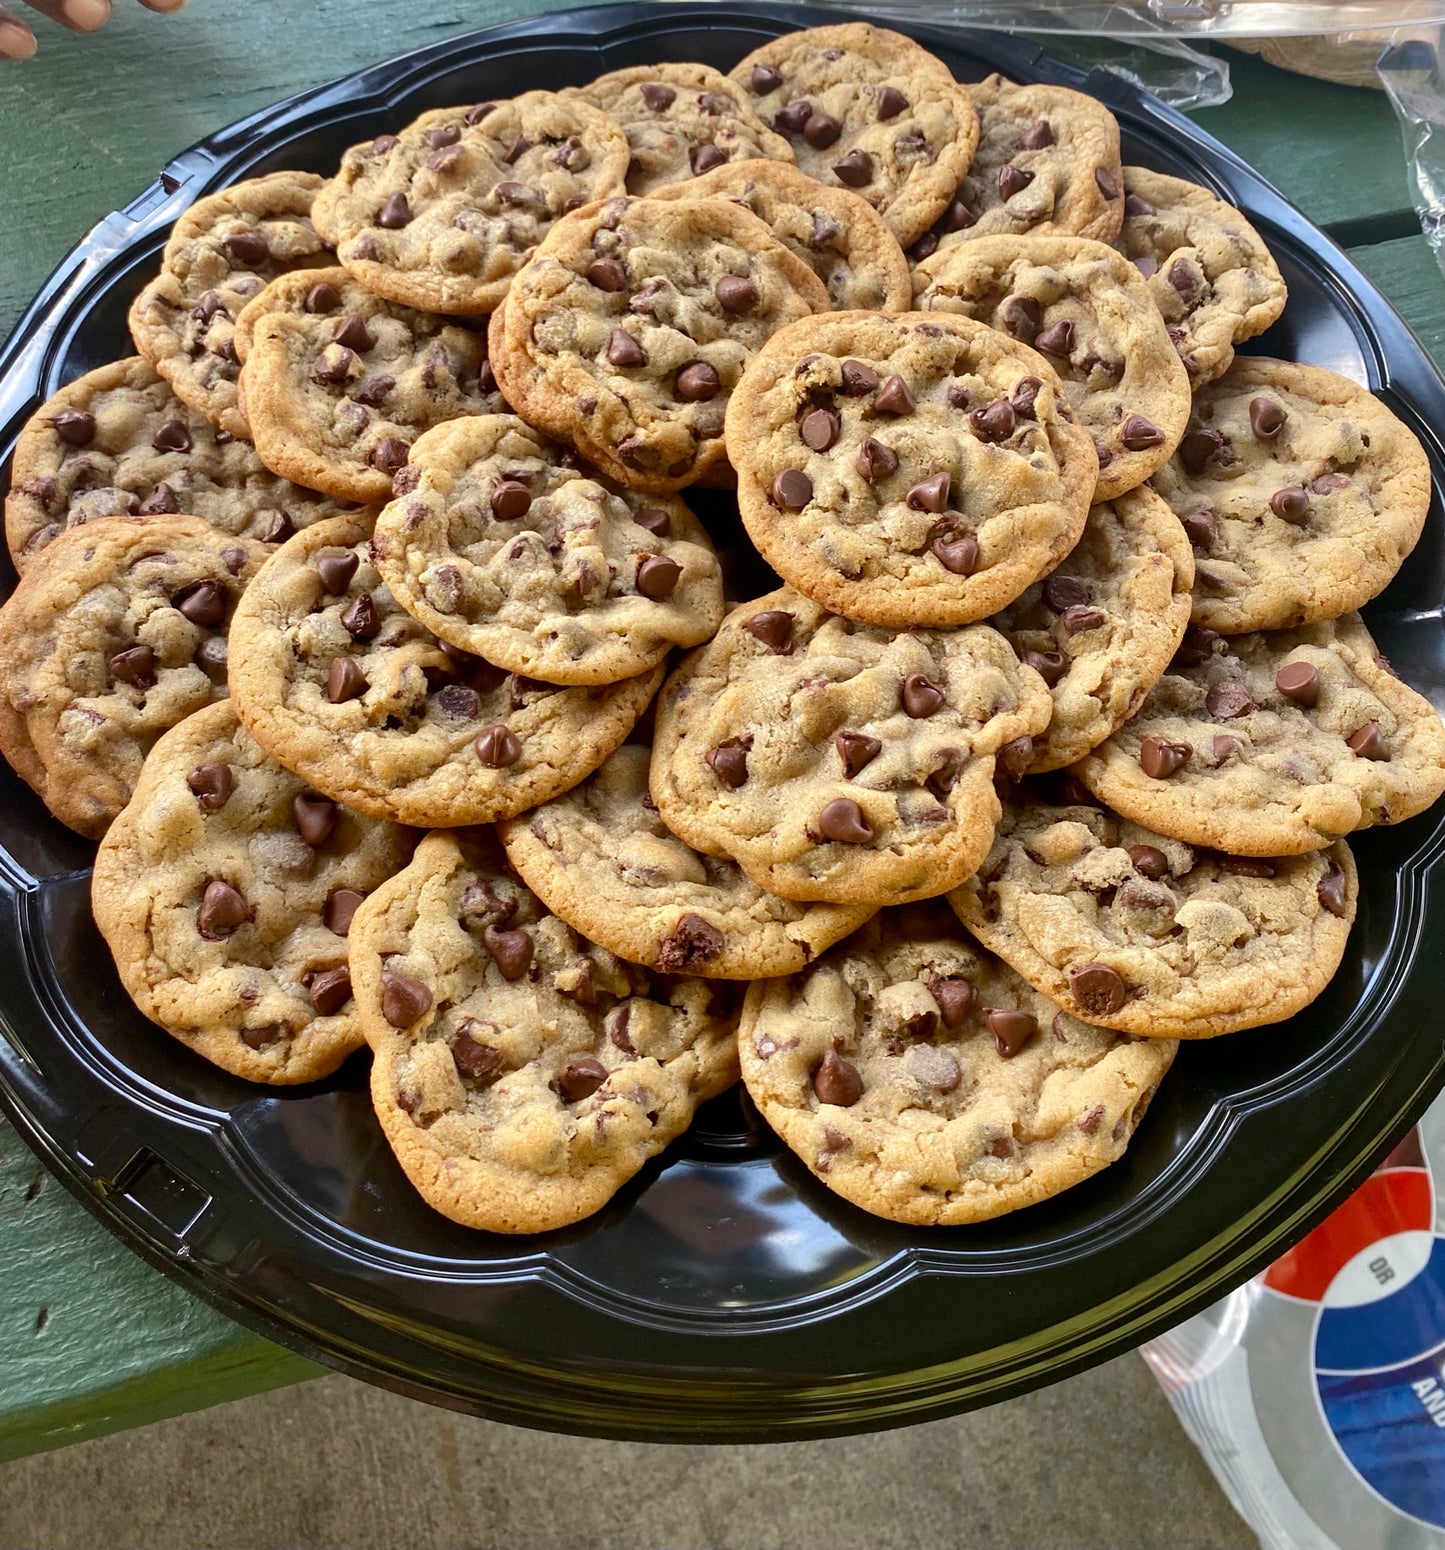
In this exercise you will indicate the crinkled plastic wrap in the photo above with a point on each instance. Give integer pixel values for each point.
(1317, 1391)
(1409, 70)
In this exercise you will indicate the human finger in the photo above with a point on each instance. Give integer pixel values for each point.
(16, 39)
(77, 15)
(165, 7)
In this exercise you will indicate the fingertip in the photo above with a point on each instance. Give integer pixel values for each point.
(16, 41)
(165, 7)
(85, 15)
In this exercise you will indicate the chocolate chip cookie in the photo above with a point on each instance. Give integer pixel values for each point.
(222, 252)
(226, 890)
(923, 1080)
(681, 121)
(115, 634)
(342, 686)
(1126, 928)
(870, 110)
(1301, 493)
(1089, 311)
(338, 382)
(1047, 162)
(1104, 626)
(632, 324)
(442, 214)
(835, 761)
(602, 858)
(522, 1075)
(1272, 744)
(1210, 274)
(837, 234)
(118, 442)
(502, 547)
(918, 469)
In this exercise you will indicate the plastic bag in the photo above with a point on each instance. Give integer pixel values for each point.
(1410, 73)
(1316, 1392)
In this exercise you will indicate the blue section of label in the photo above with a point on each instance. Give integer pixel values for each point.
(1386, 1423)
(1390, 1332)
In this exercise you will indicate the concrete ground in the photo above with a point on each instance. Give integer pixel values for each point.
(1096, 1461)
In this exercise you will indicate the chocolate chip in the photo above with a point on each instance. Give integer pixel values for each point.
(692, 941)
(1022, 317)
(1265, 418)
(763, 80)
(328, 990)
(821, 130)
(510, 193)
(729, 760)
(336, 571)
(875, 461)
(384, 143)
(1332, 891)
(703, 158)
(459, 702)
(1197, 647)
(891, 102)
(921, 696)
(511, 951)
(1036, 137)
(1012, 180)
(340, 909)
(1138, 434)
(1369, 743)
(511, 500)
(1015, 757)
(1098, 990)
(1228, 700)
(934, 1068)
(957, 217)
(1011, 1030)
(1200, 448)
(958, 555)
(1108, 183)
(736, 295)
(1202, 528)
(334, 365)
(658, 576)
(1299, 681)
(322, 298)
(1160, 759)
(955, 997)
(1327, 484)
(1057, 339)
(172, 437)
(212, 784)
(395, 212)
(774, 627)
(579, 1079)
(474, 115)
(837, 1081)
(223, 910)
(1078, 619)
(202, 602)
(75, 427)
(475, 1062)
(1049, 665)
(210, 657)
(1248, 866)
(894, 397)
(657, 97)
(248, 249)
(389, 455)
(930, 494)
(1291, 505)
(657, 521)
(820, 429)
(136, 665)
(857, 751)
(698, 383)
(857, 378)
(517, 150)
(1149, 861)
(842, 820)
(344, 680)
(315, 817)
(994, 422)
(497, 747)
(1148, 265)
(792, 490)
(375, 389)
(624, 350)
(360, 618)
(607, 274)
(403, 1001)
(716, 102)
(855, 169)
(353, 334)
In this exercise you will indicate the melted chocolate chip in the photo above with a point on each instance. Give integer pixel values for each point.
(212, 784)
(223, 910)
(1332, 891)
(360, 617)
(821, 130)
(624, 350)
(389, 455)
(855, 169)
(395, 212)
(957, 555)
(328, 990)
(1202, 528)
(857, 379)
(1198, 449)
(1049, 665)
(1011, 1030)
(580, 1078)
(1149, 861)
(315, 817)
(698, 383)
(774, 627)
(344, 681)
(843, 821)
(607, 274)
(857, 751)
(336, 571)
(136, 665)
(511, 950)
(1228, 700)
(340, 909)
(692, 941)
(875, 461)
(658, 576)
(322, 298)
(1266, 418)
(1159, 759)
(403, 1001)
(497, 747)
(729, 760)
(837, 1081)
(894, 397)
(202, 602)
(921, 696)
(1098, 989)
(763, 80)
(1291, 505)
(736, 295)
(172, 437)
(993, 422)
(1138, 434)
(1056, 340)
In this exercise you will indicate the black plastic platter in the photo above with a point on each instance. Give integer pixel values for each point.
(724, 1294)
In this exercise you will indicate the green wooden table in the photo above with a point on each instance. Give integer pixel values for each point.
(94, 1339)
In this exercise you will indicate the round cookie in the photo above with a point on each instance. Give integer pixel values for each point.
(868, 109)
(1301, 493)
(632, 324)
(1047, 163)
(442, 215)
(338, 382)
(839, 762)
(681, 121)
(1089, 312)
(837, 234)
(601, 858)
(225, 890)
(1209, 272)
(115, 634)
(921, 1079)
(224, 250)
(522, 1075)
(118, 442)
(1102, 629)
(503, 548)
(918, 469)
(1127, 929)
(334, 679)
(1272, 744)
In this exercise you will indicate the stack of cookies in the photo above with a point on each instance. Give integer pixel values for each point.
(1038, 759)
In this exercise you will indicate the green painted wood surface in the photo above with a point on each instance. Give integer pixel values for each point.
(94, 1339)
